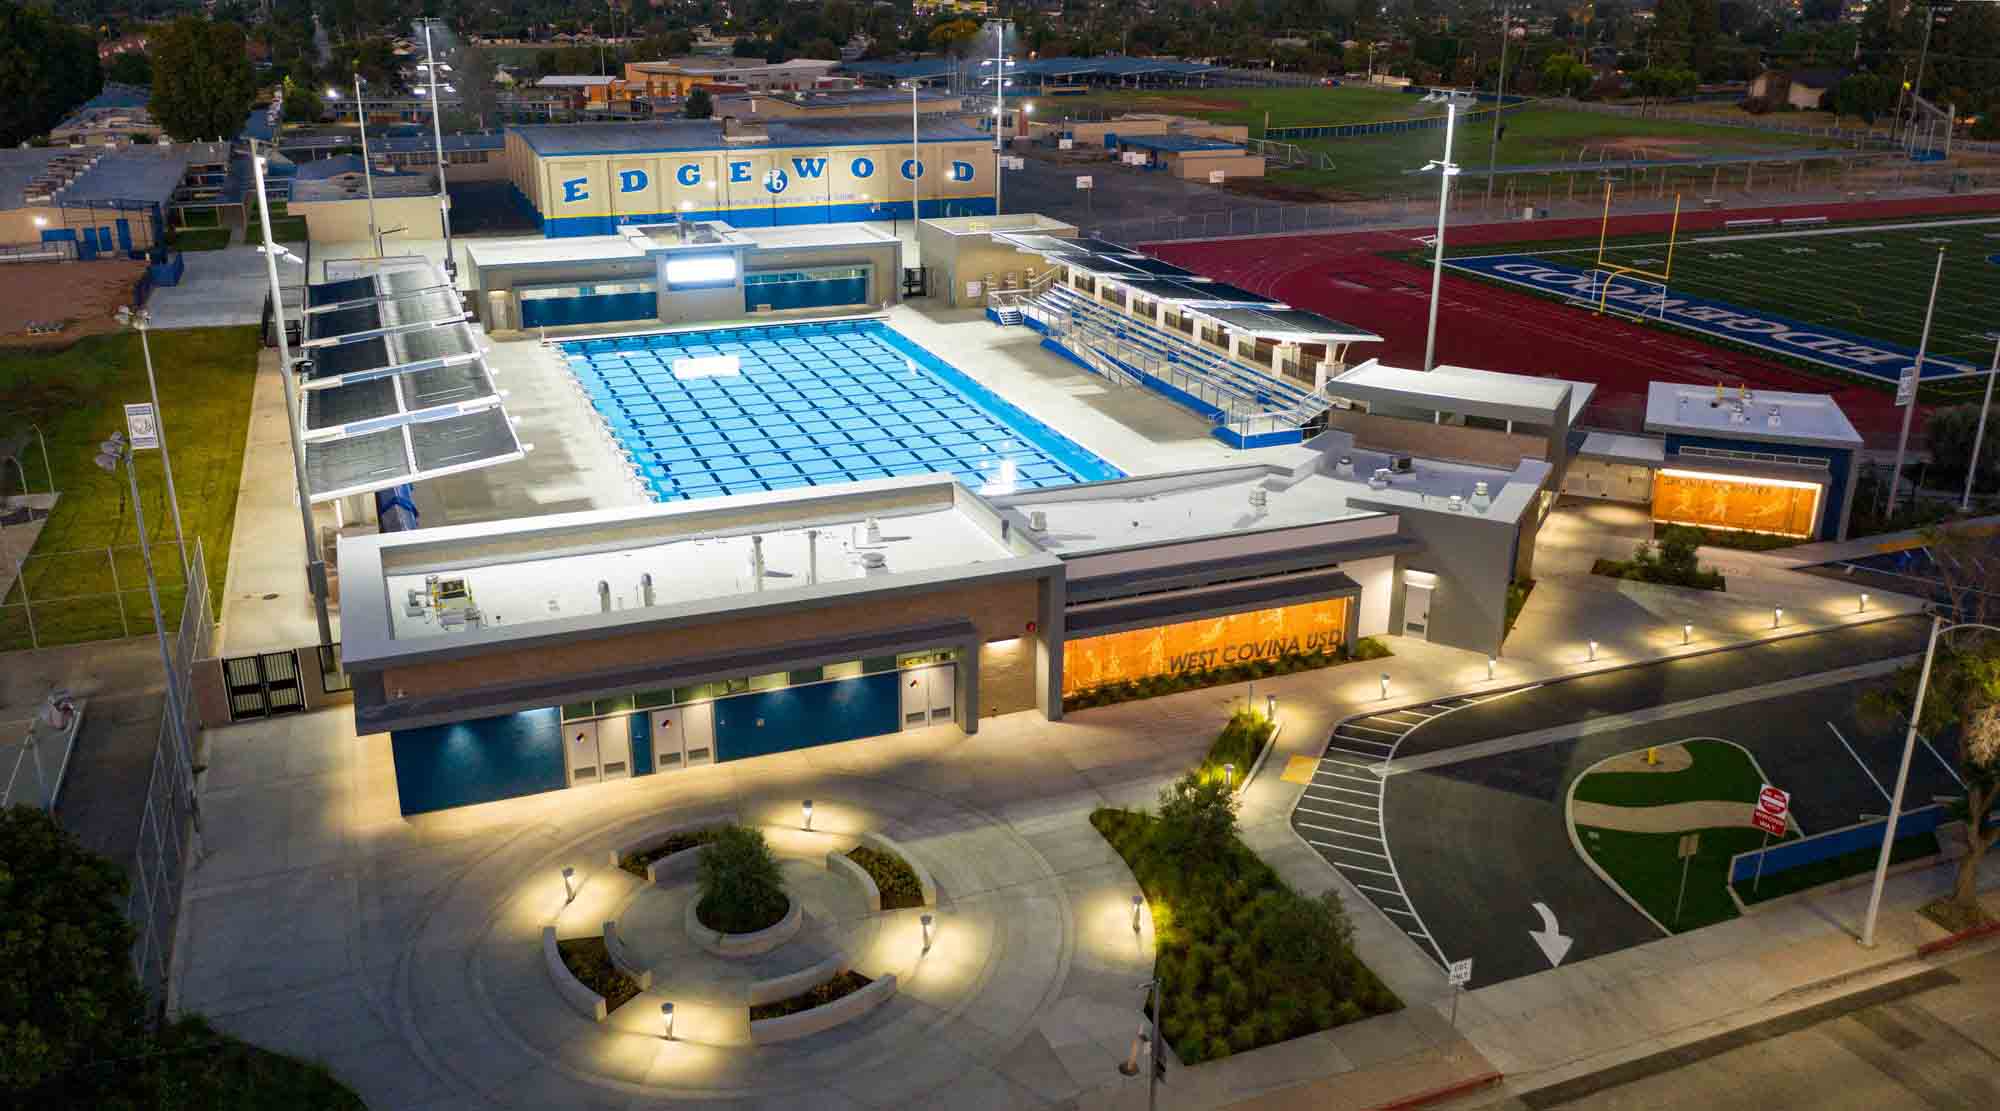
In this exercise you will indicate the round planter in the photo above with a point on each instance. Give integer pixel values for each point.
(745, 945)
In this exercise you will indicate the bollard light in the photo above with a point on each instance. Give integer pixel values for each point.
(1228, 776)
(569, 892)
(1593, 651)
(1271, 707)
(1490, 663)
(1864, 603)
(1686, 632)
(1777, 616)
(927, 921)
(1138, 904)
(806, 813)
(667, 1020)
(1385, 686)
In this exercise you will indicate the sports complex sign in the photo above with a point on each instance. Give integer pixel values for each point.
(1874, 358)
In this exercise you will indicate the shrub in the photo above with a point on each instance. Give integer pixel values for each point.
(741, 889)
(1671, 560)
(893, 877)
(1197, 818)
(590, 962)
(1370, 648)
(1242, 738)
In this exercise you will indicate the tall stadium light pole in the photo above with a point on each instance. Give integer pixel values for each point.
(1500, 100)
(999, 27)
(1923, 54)
(916, 165)
(1446, 171)
(1910, 407)
(142, 320)
(1979, 437)
(437, 135)
(367, 167)
(315, 566)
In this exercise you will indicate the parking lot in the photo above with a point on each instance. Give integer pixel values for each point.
(1468, 830)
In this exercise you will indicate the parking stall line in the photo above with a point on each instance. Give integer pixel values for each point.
(1858, 760)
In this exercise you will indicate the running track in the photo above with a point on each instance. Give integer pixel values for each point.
(1481, 325)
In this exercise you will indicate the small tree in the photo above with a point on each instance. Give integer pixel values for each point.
(699, 106)
(1197, 818)
(741, 888)
(1964, 693)
(302, 103)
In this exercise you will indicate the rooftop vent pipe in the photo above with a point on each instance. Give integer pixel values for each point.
(603, 596)
(757, 562)
(646, 587)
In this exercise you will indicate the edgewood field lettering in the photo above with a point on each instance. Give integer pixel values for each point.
(1874, 358)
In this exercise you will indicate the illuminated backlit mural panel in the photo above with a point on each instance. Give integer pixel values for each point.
(1735, 502)
(1211, 642)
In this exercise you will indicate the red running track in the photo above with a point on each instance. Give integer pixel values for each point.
(1481, 325)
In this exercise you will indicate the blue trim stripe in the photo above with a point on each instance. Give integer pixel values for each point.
(565, 227)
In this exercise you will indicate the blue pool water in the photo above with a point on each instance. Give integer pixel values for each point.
(813, 405)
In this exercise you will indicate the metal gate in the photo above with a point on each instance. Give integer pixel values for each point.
(261, 686)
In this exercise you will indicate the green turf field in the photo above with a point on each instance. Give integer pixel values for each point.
(1287, 107)
(1374, 165)
(1870, 278)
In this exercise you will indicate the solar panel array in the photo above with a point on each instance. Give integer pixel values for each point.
(395, 387)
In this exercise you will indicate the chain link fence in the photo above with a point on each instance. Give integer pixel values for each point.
(73, 595)
(169, 821)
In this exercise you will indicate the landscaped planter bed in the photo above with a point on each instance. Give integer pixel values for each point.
(583, 973)
(841, 999)
(893, 878)
(748, 943)
(639, 857)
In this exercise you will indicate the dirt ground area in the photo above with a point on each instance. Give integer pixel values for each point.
(80, 295)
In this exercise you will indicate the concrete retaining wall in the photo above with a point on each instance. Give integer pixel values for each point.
(792, 983)
(840, 862)
(882, 844)
(654, 836)
(744, 945)
(587, 1002)
(622, 960)
(769, 1031)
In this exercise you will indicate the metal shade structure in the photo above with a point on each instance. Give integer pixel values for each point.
(394, 385)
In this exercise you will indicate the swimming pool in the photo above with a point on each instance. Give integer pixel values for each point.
(812, 405)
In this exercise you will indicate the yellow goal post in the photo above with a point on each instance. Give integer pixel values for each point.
(1605, 273)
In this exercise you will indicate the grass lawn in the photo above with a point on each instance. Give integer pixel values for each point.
(201, 239)
(193, 1066)
(1720, 771)
(1287, 107)
(1374, 165)
(1834, 868)
(288, 229)
(75, 396)
(1246, 734)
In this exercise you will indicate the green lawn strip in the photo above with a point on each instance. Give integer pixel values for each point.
(1648, 867)
(637, 863)
(1720, 771)
(288, 229)
(1223, 931)
(893, 877)
(1239, 743)
(590, 962)
(191, 1065)
(201, 239)
(1860, 861)
(847, 983)
(75, 395)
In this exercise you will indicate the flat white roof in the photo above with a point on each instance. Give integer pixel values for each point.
(1457, 388)
(1623, 448)
(557, 81)
(1772, 416)
(815, 235)
(582, 248)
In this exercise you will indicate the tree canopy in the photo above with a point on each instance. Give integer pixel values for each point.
(46, 69)
(203, 85)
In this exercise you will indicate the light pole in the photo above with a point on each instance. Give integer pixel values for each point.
(437, 135)
(142, 320)
(916, 165)
(1938, 628)
(1916, 383)
(1917, 88)
(1149, 1037)
(1500, 101)
(367, 167)
(1972, 468)
(111, 454)
(999, 27)
(1446, 171)
(315, 567)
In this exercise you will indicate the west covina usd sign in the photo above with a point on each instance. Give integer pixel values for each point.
(1721, 320)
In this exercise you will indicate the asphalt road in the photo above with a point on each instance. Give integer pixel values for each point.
(1477, 843)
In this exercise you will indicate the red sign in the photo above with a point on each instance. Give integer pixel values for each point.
(1773, 805)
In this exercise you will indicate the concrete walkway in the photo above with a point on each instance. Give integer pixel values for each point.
(1668, 818)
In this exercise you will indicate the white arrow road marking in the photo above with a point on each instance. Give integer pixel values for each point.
(1553, 944)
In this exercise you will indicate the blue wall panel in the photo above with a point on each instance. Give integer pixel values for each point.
(800, 717)
(604, 308)
(443, 766)
(642, 743)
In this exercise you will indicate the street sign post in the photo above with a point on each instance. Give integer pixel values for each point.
(1770, 815)
(1459, 974)
(1690, 845)
(1906, 386)
(142, 427)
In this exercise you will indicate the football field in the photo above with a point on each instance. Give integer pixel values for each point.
(1849, 298)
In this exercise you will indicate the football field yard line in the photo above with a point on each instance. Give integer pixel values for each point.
(1842, 229)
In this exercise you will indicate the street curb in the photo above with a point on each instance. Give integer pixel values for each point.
(1257, 765)
(1455, 1088)
(1930, 948)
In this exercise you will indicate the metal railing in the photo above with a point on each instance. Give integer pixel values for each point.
(169, 818)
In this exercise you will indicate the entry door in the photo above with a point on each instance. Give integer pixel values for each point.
(580, 753)
(614, 747)
(929, 695)
(1417, 611)
(684, 737)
